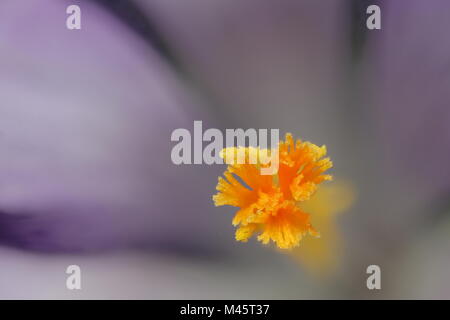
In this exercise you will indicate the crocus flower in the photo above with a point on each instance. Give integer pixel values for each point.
(270, 205)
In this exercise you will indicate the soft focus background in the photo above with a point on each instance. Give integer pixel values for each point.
(85, 123)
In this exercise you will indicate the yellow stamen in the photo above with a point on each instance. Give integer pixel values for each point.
(271, 204)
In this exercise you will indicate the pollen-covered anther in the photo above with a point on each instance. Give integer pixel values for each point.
(269, 205)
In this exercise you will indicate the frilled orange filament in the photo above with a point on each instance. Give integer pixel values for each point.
(270, 205)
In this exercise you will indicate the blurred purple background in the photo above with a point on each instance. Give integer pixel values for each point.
(85, 123)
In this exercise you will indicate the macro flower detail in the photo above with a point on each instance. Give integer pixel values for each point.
(270, 205)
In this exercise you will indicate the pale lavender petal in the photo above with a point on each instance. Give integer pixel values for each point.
(411, 89)
(85, 124)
